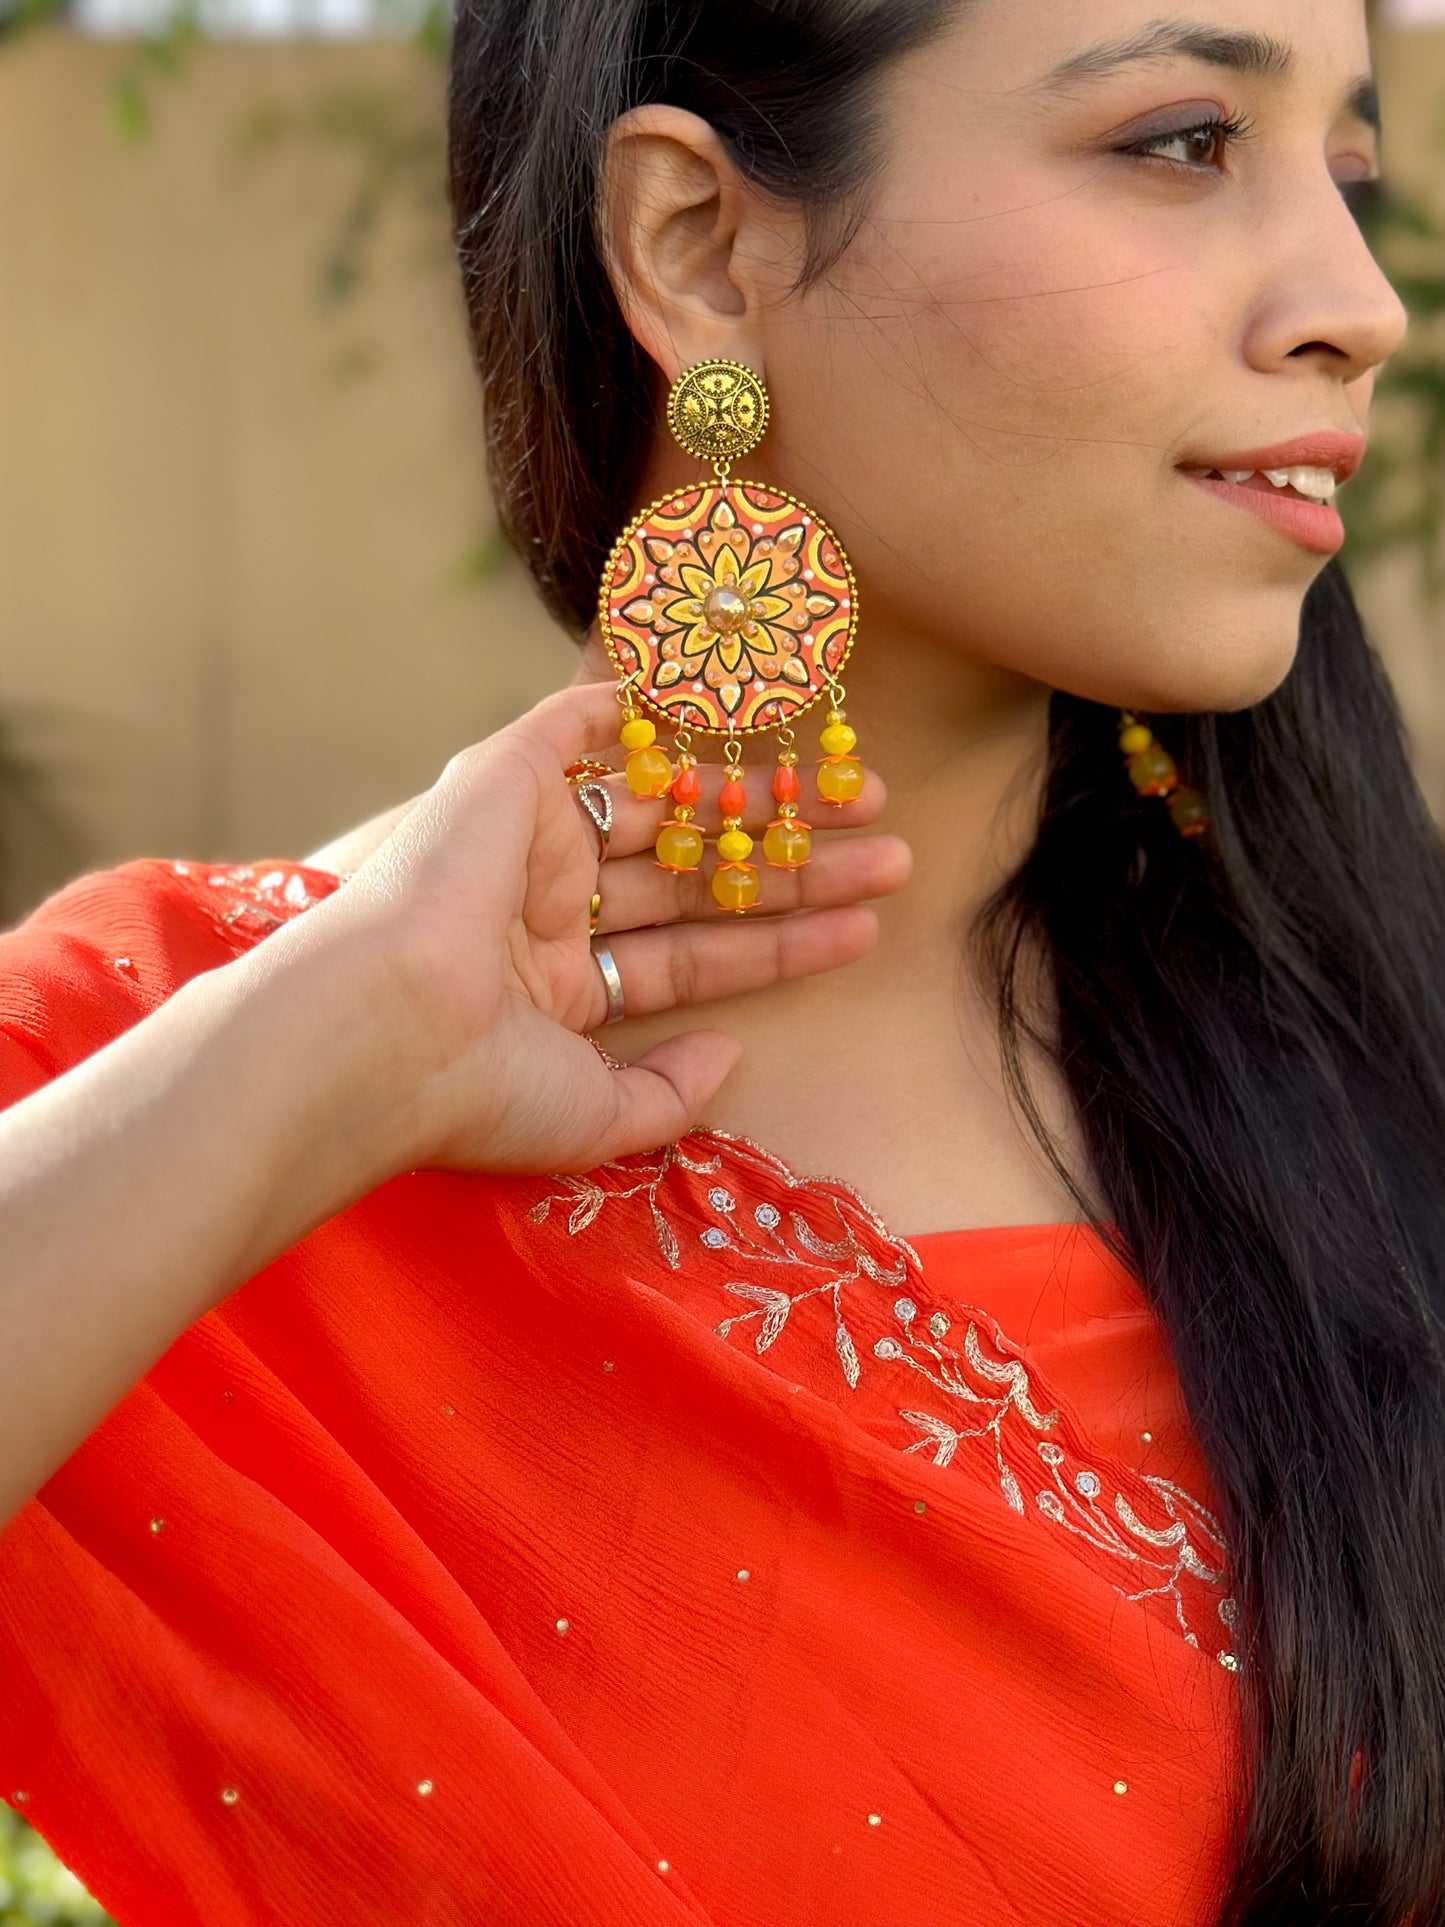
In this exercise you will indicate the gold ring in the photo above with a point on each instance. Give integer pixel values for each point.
(594, 913)
(587, 770)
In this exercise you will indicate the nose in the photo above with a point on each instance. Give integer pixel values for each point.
(1324, 300)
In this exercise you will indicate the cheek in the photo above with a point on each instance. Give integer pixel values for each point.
(1005, 399)
(1060, 339)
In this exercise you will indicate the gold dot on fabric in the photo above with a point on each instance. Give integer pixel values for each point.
(662, 1867)
(608, 1366)
(1146, 1438)
(158, 1525)
(229, 1796)
(230, 1397)
(1121, 1786)
(744, 1575)
(449, 1411)
(424, 1787)
(564, 1625)
(920, 1505)
(875, 1819)
(18, 1798)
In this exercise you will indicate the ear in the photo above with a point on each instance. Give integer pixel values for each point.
(692, 252)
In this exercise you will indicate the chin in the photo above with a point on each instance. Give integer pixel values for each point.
(1215, 669)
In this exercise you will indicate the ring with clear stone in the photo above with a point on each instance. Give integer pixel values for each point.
(597, 801)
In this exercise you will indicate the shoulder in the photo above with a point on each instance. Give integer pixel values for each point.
(108, 948)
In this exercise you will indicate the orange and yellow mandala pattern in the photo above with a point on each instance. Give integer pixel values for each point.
(785, 566)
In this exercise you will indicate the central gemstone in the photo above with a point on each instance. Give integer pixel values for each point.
(725, 610)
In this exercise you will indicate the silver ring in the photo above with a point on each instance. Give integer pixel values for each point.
(596, 799)
(616, 1005)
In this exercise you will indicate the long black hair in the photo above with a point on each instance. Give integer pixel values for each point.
(1252, 1025)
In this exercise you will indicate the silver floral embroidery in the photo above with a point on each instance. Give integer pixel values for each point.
(988, 1388)
(1190, 1544)
(992, 1387)
(263, 903)
(587, 1197)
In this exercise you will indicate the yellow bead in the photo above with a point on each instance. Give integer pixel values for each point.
(638, 733)
(840, 780)
(837, 739)
(736, 889)
(679, 846)
(648, 771)
(734, 846)
(1189, 811)
(1152, 771)
(1135, 738)
(787, 844)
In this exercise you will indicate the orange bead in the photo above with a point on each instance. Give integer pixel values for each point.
(1152, 772)
(787, 843)
(735, 886)
(786, 786)
(840, 779)
(686, 788)
(648, 772)
(679, 847)
(734, 798)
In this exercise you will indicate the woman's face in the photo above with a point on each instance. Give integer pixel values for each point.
(1061, 296)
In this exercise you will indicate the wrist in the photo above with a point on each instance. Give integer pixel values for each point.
(316, 1058)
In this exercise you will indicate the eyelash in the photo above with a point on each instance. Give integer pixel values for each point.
(1235, 128)
(1363, 197)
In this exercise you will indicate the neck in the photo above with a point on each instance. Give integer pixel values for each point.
(961, 747)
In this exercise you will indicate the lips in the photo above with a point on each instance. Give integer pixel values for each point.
(1313, 525)
(1327, 448)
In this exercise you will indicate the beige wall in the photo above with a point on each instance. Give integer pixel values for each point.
(232, 517)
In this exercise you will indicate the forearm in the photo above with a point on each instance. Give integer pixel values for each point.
(141, 1187)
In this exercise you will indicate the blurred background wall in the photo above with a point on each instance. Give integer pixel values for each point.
(249, 586)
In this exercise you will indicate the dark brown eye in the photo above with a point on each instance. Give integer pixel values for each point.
(1204, 137)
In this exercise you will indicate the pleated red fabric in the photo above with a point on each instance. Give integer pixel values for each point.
(669, 1544)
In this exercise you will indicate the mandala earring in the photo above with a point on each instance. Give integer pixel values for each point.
(1151, 770)
(728, 609)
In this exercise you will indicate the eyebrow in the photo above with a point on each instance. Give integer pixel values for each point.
(1256, 54)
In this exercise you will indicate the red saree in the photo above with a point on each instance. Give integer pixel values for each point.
(672, 1544)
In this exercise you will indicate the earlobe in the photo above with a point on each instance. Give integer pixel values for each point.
(672, 207)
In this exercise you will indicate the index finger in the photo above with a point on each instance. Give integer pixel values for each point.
(575, 721)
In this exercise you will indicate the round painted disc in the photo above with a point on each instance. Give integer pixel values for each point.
(765, 547)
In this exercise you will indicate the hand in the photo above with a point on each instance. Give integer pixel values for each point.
(476, 904)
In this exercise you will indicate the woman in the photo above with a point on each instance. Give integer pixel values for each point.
(453, 1483)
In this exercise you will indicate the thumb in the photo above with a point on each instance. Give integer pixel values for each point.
(662, 1094)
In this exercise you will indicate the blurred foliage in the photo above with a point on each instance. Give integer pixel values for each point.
(35, 1889)
(396, 152)
(33, 831)
(1397, 501)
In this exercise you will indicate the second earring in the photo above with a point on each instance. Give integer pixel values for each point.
(728, 609)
